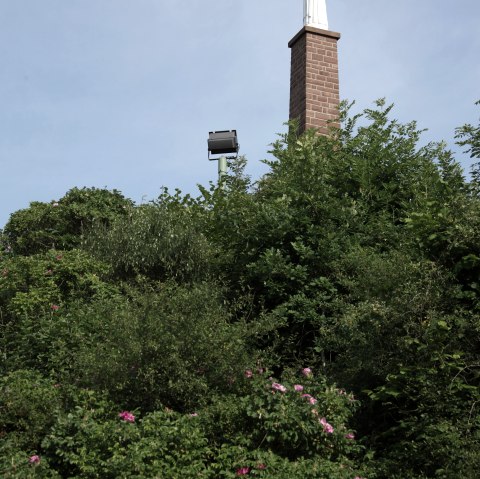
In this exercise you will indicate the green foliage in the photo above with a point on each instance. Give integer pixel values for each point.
(15, 464)
(28, 405)
(60, 225)
(469, 135)
(92, 440)
(289, 422)
(34, 292)
(167, 345)
(88, 442)
(31, 285)
(159, 240)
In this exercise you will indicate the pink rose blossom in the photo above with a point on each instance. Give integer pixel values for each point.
(350, 435)
(298, 388)
(248, 373)
(310, 398)
(306, 372)
(261, 466)
(126, 416)
(34, 459)
(279, 387)
(328, 428)
(194, 414)
(243, 471)
(54, 307)
(260, 370)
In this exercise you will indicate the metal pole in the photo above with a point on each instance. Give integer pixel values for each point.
(222, 168)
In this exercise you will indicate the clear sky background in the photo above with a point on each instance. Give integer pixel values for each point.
(122, 93)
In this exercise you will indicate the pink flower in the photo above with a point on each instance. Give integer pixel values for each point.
(279, 387)
(248, 373)
(261, 466)
(350, 435)
(55, 307)
(34, 459)
(306, 372)
(310, 398)
(260, 370)
(194, 414)
(298, 388)
(243, 471)
(328, 428)
(358, 477)
(126, 416)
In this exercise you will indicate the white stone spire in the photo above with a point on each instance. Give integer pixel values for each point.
(315, 14)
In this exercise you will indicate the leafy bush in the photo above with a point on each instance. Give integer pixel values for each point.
(31, 285)
(161, 241)
(29, 404)
(60, 224)
(170, 345)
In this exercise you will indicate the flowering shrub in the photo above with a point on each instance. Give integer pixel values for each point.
(126, 416)
(243, 471)
(279, 387)
(236, 461)
(294, 423)
(38, 284)
(18, 464)
(91, 441)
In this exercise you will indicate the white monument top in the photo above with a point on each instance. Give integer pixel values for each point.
(315, 14)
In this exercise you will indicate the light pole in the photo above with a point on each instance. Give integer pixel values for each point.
(220, 143)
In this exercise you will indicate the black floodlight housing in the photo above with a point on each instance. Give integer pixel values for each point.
(222, 142)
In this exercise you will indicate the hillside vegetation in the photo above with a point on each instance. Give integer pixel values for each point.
(322, 322)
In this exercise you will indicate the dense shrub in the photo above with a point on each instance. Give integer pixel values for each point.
(161, 240)
(28, 406)
(61, 224)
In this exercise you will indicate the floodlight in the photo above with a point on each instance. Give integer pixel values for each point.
(221, 142)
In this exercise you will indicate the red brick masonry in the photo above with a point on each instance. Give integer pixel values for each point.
(314, 85)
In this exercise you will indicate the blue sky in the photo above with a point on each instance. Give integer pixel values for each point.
(122, 93)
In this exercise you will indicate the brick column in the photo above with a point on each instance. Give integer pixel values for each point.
(314, 85)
